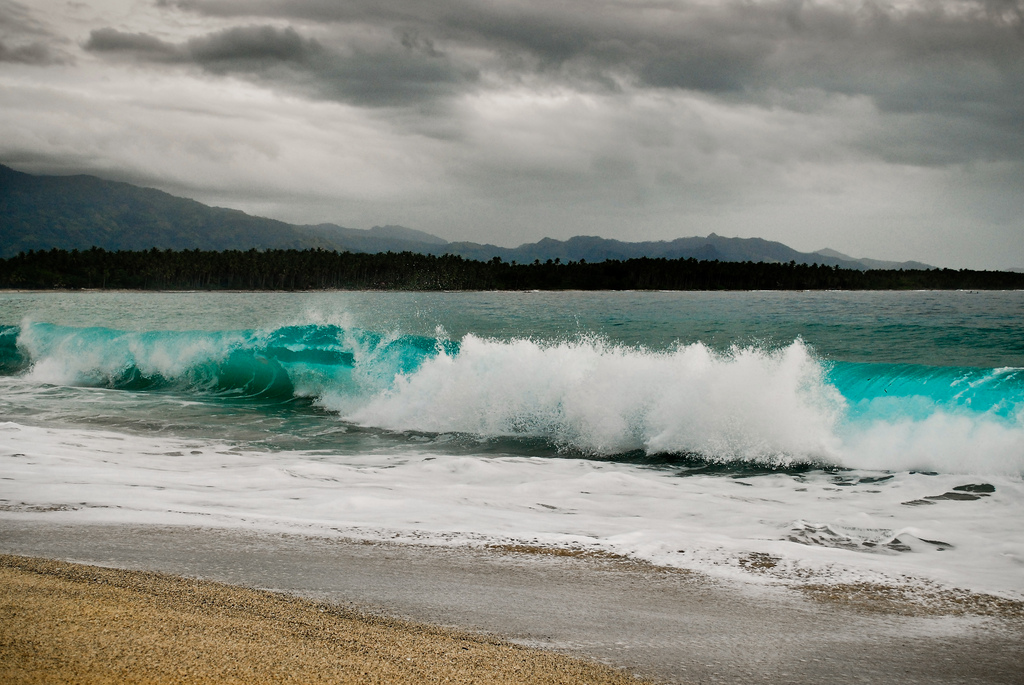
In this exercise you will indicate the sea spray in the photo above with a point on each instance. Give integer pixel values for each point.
(777, 406)
(747, 404)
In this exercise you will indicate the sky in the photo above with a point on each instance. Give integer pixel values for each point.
(892, 130)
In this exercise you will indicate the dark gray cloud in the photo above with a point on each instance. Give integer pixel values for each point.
(30, 53)
(962, 59)
(141, 44)
(239, 49)
(25, 40)
(17, 18)
(254, 45)
(659, 44)
(404, 70)
(666, 39)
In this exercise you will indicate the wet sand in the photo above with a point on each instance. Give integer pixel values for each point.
(68, 623)
(667, 625)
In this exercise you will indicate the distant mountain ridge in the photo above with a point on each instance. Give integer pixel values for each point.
(79, 212)
(874, 263)
(712, 247)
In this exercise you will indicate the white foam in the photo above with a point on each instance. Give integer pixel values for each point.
(810, 522)
(750, 404)
(942, 442)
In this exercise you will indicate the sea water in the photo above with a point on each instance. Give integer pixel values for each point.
(844, 437)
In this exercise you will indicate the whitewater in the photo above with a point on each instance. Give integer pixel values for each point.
(828, 437)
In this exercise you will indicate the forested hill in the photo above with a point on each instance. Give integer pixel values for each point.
(320, 269)
(79, 212)
(40, 212)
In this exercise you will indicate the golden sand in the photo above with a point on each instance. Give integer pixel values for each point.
(68, 623)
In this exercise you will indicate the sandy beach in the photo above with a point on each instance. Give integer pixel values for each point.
(64, 623)
(665, 625)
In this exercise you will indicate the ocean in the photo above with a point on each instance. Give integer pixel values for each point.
(757, 437)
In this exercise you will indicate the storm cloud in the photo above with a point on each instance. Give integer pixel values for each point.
(25, 40)
(31, 53)
(139, 44)
(395, 73)
(853, 124)
(946, 62)
(713, 46)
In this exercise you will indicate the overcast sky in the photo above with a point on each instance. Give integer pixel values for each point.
(892, 130)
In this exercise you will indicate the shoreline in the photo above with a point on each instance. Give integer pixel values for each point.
(673, 627)
(66, 622)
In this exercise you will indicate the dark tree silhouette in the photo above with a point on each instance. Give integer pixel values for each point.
(320, 270)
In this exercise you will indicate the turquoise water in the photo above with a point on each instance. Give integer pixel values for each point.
(929, 328)
(747, 378)
(856, 437)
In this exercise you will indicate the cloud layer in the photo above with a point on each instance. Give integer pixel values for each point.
(392, 75)
(891, 129)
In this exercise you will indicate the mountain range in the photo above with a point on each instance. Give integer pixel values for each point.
(79, 212)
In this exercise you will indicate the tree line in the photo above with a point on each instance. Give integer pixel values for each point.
(316, 269)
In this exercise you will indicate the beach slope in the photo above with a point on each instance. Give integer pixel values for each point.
(62, 622)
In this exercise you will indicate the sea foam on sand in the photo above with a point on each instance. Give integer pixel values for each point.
(846, 526)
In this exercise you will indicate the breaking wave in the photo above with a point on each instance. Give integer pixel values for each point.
(776, 407)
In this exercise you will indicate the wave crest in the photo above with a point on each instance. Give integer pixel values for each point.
(748, 404)
(775, 407)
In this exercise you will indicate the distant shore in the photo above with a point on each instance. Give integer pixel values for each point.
(302, 270)
(63, 622)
